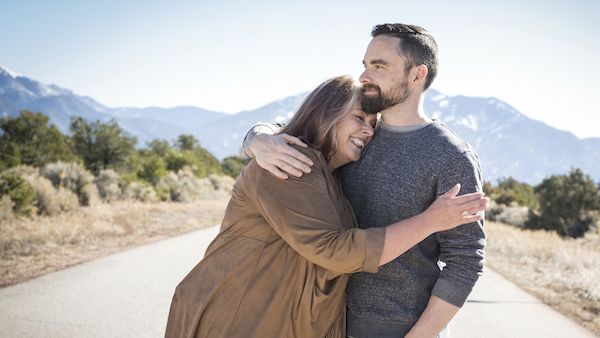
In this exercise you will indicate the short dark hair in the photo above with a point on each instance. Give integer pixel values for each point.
(315, 121)
(417, 45)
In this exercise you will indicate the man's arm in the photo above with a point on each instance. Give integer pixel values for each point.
(274, 153)
(461, 251)
(436, 316)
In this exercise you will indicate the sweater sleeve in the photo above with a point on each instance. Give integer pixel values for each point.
(462, 248)
(260, 128)
(302, 213)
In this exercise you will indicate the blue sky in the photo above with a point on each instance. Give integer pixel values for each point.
(540, 56)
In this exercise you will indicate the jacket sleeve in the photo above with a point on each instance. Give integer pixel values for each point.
(462, 248)
(302, 213)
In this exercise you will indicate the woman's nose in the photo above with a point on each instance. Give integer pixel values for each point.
(367, 129)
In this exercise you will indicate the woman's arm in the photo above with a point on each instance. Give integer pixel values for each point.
(445, 213)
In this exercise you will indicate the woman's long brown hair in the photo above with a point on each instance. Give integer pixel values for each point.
(314, 122)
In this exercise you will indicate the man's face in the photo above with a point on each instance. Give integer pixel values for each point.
(384, 79)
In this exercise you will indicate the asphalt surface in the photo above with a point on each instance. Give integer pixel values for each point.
(128, 295)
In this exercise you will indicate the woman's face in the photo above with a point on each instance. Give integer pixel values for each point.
(352, 133)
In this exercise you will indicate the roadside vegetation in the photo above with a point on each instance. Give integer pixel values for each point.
(44, 172)
(546, 239)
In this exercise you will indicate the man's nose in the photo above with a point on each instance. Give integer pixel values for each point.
(364, 77)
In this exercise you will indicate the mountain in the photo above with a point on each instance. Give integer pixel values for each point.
(223, 137)
(508, 142)
(21, 93)
(511, 144)
(183, 117)
(165, 123)
(18, 93)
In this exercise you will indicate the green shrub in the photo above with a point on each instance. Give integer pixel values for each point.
(569, 204)
(152, 169)
(509, 191)
(101, 145)
(20, 192)
(201, 162)
(159, 147)
(177, 160)
(30, 139)
(233, 166)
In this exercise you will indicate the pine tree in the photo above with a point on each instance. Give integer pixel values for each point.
(101, 145)
(28, 139)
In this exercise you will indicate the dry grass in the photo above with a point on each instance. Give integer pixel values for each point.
(30, 247)
(563, 273)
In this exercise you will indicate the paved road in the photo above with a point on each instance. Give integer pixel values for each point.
(128, 295)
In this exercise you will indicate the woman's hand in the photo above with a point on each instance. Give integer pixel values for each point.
(449, 210)
(446, 212)
(274, 153)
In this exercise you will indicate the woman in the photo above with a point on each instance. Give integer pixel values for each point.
(279, 266)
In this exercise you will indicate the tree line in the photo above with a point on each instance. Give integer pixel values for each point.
(567, 204)
(29, 139)
(102, 156)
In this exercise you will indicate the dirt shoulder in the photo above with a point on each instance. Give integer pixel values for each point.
(562, 272)
(32, 247)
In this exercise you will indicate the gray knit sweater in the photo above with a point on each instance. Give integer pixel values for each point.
(399, 175)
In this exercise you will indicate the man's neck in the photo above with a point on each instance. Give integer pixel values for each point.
(407, 113)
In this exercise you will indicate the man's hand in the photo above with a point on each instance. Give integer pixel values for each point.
(436, 316)
(274, 154)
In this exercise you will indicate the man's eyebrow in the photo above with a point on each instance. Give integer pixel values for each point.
(377, 62)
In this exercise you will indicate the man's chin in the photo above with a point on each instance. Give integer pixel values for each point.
(372, 106)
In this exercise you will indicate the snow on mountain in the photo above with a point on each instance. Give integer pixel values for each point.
(18, 93)
(9, 72)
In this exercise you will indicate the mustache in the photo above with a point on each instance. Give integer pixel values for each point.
(368, 86)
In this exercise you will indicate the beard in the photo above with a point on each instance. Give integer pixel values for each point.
(376, 104)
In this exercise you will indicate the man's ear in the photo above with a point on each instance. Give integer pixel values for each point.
(417, 77)
(420, 73)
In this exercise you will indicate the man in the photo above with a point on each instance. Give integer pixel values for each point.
(410, 161)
